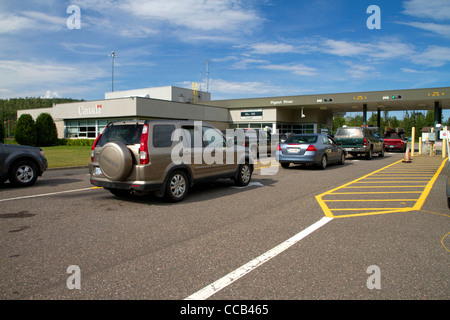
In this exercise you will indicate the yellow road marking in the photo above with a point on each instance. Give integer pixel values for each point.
(378, 175)
(370, 200)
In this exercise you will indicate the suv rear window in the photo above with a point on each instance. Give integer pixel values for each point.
(126, 133)
(349, 132)
(162, 135)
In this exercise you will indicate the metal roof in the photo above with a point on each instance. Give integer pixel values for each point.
(388, 100)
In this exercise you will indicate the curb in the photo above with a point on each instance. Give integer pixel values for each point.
(65, 168)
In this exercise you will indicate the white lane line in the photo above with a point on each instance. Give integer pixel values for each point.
(46, 194)
(223, 282)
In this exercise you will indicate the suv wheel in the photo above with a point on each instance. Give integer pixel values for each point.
(369, 155)
(176, 186)
(244, 175)
(23, 174)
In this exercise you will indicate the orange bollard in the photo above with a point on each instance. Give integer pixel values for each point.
(407, 158)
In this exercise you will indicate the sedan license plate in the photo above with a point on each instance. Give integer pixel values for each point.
(293, 150)
(98, 171)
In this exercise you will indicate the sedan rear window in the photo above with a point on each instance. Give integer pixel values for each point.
(349, 132)
(128, 134)
(301, 139)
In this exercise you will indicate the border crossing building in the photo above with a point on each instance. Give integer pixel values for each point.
(285, 114)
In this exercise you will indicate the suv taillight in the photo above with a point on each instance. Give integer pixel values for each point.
(94, 145)
(365, 142)
(143, 150)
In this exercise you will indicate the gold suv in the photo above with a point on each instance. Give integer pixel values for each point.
(165, 157)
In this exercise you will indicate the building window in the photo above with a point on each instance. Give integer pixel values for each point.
(296, 128)
(85, 129)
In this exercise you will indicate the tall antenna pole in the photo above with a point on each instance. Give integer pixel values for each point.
(113, 56)
(207, 76)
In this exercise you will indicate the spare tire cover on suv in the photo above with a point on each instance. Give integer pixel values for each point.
(115, 161)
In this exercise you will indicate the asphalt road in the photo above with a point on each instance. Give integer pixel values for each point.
(144, 248)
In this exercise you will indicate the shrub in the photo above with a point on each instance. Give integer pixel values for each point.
(76, 142)
(46, 133)
(2, 131)
(25, 131)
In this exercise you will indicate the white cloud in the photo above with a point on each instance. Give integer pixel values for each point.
(434, 9)
(49, 94)
(345, 48)
(246, 62)
(216, 15)
(358, 71)
(20, 77)
(433, 56)
(298, 69)
(30, 20)
(10, 23)
(270, 48)
(440, 29)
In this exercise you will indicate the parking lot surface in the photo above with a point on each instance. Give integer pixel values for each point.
(359, 217)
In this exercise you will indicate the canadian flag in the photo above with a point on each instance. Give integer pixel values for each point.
(99, 106)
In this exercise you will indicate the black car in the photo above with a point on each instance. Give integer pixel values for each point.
(21, 165)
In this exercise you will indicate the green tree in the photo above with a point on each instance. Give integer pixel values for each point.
(2, 130)
(46, 133)
(337, 123)
(25, 131)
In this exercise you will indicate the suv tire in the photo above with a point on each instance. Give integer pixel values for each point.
(23, 174)
(244, 175)
(177, 186)
(369, 155)
(116, 161)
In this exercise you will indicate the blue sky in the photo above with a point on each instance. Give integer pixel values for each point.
(255, 48)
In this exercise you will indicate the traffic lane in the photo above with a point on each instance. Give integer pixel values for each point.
(90, 226)
(105, 235)
(411, 250)
(333, 262)
(53, 180)
(150, 249)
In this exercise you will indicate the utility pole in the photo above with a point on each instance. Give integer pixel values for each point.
(113, 56)
(207, 76)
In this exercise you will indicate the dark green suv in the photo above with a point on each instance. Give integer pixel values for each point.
(360, 141)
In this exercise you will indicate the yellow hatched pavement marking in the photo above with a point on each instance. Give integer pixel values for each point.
(432, 174)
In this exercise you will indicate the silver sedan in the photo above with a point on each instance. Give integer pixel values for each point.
(318, 149)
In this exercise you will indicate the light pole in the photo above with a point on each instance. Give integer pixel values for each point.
(113, 56)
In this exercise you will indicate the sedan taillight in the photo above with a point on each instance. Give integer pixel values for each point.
(311, 148)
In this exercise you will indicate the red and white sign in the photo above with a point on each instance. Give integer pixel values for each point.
(443, 134)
